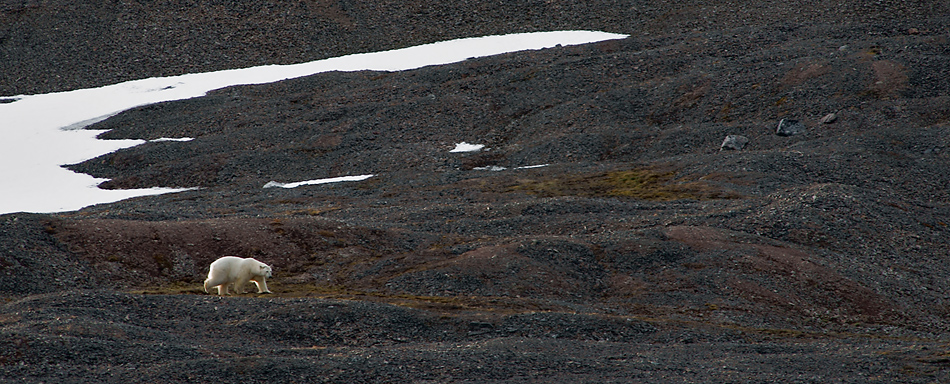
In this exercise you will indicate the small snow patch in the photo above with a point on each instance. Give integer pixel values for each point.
(171, 139)
(533, 166)
(466, 147)
(493, 168)
(274, 184)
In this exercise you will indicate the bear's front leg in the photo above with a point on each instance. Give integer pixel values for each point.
(261, 285)
(222, 289)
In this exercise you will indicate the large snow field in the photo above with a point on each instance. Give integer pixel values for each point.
(41, 133)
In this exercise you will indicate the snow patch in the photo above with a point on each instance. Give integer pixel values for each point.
(171, 139)
(274, 184)
(533, 166)
(466, 147)
(495, 168)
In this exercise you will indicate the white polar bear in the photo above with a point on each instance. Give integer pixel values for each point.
(230, 270)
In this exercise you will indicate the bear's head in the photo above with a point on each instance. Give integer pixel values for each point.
(265, 270)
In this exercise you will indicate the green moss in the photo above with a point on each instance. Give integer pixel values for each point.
(175, 288)
(642, 184)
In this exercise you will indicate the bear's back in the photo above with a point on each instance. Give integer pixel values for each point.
(226, 262)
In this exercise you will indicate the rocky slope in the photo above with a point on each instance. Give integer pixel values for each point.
(639, 250)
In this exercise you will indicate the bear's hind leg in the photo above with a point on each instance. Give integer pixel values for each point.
(239, 286)
(215, 280)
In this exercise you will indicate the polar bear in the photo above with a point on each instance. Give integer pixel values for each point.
(230, 270)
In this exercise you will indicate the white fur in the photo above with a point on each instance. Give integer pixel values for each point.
(230, 270)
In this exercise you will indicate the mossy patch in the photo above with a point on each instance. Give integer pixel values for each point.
(175, 288)
(645, 184)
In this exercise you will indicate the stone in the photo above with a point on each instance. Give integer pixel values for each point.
(788, 127)
(734, 142)
(829, 118)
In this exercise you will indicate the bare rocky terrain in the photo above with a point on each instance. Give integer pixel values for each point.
(641, 251)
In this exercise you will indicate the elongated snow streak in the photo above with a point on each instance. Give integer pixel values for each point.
(496, 168)
(171, 139)
(274, 184)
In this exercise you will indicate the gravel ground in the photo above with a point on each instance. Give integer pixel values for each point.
(640, 252)
(119, 337)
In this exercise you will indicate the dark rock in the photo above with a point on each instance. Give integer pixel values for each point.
(734, 142)
(788, 127)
